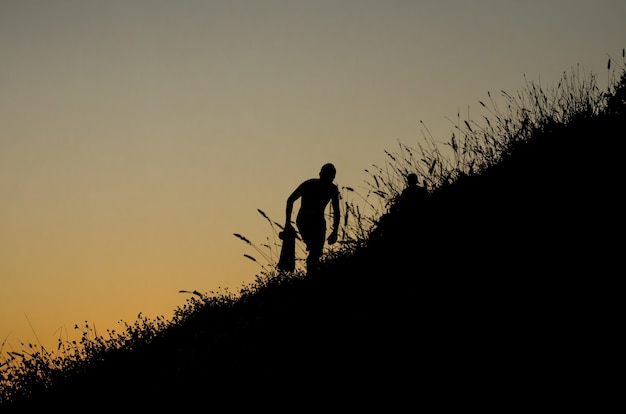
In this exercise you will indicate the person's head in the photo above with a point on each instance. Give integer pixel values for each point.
(328, 172)
(411, 179)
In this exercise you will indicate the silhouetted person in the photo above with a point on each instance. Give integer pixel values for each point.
(315, 194)
(411, 199)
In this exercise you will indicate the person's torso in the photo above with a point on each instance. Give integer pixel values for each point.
(412, 197)
(316, 194)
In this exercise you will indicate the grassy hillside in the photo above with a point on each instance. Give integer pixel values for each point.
(496, 295)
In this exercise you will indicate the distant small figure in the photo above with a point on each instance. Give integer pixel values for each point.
(412, 197)
(405, 212)
(315, 194)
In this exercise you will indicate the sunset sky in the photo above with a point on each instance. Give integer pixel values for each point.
(137, 136)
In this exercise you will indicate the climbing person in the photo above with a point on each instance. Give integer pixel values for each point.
(314, 195)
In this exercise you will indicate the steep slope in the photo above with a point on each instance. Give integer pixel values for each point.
(490, 298)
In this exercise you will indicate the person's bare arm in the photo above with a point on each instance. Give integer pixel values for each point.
(336, 218)
(289, 209)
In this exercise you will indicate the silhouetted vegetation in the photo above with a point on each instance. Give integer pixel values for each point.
(496, 292)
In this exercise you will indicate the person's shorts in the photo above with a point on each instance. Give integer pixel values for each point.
(313, 233)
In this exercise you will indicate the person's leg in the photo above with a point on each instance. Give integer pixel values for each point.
(313, 234)
(316, 247)
(312, 263)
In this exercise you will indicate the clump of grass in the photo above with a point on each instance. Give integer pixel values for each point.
(477, 145)
(35, 368)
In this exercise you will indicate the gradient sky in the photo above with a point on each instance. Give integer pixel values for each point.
(136, 136)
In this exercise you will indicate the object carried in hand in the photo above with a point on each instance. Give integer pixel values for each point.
(287, 259)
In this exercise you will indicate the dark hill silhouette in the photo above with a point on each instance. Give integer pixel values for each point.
(499, 298)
